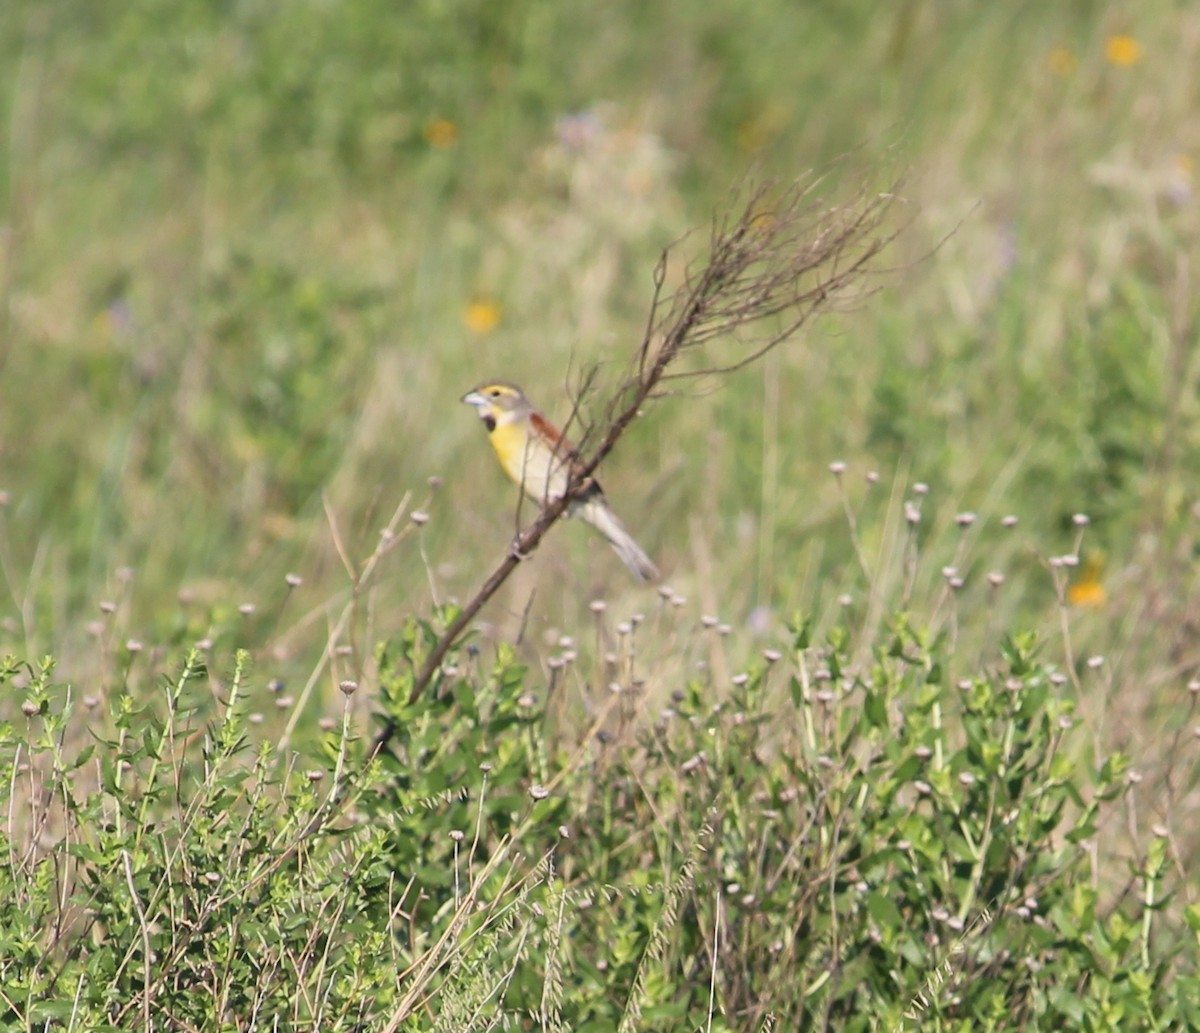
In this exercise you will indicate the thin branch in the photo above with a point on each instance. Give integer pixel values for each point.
(779, 256)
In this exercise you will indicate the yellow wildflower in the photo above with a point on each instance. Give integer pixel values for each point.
(1122, 51)
(1088, 592)
(441, 133)
(482, 316)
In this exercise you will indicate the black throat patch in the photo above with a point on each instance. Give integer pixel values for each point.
(489, 421)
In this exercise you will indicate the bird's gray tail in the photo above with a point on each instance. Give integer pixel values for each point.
(595, 510)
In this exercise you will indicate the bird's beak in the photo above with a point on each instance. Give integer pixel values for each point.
(476, 399)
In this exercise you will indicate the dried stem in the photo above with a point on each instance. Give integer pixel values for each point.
(776, 259)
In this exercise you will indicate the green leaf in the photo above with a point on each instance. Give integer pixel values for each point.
(875, 708)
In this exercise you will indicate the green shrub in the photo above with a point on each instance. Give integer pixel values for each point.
(846, 837)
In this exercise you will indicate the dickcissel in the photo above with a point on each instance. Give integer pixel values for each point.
(534, 454)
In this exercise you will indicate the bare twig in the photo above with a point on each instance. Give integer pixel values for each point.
(778, 258)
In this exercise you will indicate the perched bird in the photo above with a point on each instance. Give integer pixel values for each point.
(534, 453)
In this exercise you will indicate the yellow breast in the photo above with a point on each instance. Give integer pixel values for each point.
(528, 461)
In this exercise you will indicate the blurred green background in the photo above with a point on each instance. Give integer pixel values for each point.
(253, 253)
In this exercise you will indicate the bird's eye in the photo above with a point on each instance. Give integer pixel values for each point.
(494, 392)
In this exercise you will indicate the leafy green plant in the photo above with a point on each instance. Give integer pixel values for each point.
(826, 842)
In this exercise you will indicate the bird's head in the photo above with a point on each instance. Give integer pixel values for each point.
(497, 402)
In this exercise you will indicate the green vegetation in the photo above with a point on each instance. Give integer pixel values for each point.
(873, 758)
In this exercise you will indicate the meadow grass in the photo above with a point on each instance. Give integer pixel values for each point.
(250, 259)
